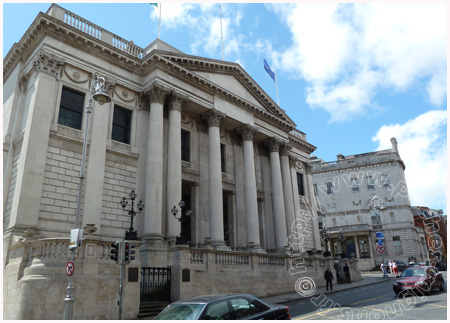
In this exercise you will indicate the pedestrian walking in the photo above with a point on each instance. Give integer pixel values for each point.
(347, 274)
(382, 267)
(329, 278)
(394, 267)
(390, 267)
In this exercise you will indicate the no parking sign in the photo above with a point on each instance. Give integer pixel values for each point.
(70, 268)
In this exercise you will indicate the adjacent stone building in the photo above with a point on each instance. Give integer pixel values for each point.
(179, 127)
(362, 194)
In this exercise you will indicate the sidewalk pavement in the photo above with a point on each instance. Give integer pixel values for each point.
(368, 278)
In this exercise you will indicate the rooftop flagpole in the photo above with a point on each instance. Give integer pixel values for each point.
(221, 34)
(276, 84)
(159, 31)
(273, 76)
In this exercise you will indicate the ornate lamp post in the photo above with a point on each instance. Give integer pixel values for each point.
(183, 219)
(98, 93)
(342, 239)
(131, 234)
(326, 238)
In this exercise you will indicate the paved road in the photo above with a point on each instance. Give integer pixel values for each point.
(372, 302)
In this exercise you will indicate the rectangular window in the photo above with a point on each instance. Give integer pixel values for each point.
(370, 184)
(385, 180)
(185, 145)
(397, 245)
(121, 129)
(329, 188)
(301, 189)
(71, 108)
(315, 189)
(223, 158)
(355, 186)
(363, 248)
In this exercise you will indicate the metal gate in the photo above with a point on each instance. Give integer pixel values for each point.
(155, 283)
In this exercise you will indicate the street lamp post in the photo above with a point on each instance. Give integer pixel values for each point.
(326, 238)
(342, 239)
(98, 93)
(131, 234)
(183, 219)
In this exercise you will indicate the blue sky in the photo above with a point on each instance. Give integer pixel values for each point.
(351, 76)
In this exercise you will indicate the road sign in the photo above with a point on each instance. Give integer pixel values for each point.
(381, 248)
(380, 241)
(380, 235)
(70, 268)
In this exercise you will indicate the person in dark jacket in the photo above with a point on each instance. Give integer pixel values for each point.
(329, 278)
(347, 274)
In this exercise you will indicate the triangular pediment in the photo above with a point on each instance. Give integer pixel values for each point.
(229, 77)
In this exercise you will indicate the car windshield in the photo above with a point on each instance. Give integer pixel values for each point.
(411, 272)
(181, 312)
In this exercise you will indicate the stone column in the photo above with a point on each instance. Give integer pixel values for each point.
(287, 187)
(215, 179)
(173, 195)
(154, 183)
(277, 195)
(355, 240)
(251, 201)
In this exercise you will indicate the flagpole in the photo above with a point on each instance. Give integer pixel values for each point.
(221, 34)
(159, 31)
(276, 84)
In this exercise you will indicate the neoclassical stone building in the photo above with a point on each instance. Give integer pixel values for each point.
(364, 194)
(178, 127)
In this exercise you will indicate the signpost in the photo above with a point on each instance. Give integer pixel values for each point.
(70, 268)
(381, 249)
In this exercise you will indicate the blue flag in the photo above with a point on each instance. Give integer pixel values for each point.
(269, 71)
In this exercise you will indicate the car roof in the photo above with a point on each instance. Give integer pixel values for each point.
(204, 299)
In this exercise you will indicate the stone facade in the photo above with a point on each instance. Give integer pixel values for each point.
(239, 179)
(364, 194)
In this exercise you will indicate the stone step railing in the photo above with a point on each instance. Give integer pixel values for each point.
(95, 31)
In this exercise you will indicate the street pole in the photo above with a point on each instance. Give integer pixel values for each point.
(122, 270)
(102, 97)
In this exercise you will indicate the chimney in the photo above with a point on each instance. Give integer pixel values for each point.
(394, 144)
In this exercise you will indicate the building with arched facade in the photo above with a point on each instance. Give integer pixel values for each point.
(178, 127)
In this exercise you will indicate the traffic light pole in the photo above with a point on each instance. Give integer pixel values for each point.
(122, 272)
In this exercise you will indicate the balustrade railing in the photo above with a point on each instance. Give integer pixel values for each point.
(83, 25)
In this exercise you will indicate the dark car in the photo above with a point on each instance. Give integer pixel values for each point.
(400, 265)
(224, 307)
(419, 280)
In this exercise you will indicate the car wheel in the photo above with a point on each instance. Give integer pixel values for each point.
(442, 286)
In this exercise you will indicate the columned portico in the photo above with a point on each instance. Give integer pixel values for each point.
(277, 195)
(173, 193)
(154, 186)
(251, 202)
(213, 118)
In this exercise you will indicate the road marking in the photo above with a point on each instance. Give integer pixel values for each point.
(320, 313)
(370, 299)
(437, 305)
(398, 314)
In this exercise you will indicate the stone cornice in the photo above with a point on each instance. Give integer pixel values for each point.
(301, 144)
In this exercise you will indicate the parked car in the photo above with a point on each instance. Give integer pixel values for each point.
(400, 265)
(419, 280)
(224, 307)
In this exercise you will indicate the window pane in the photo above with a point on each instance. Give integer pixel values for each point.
(121, 125)
(301, 190)
(185, 145)
(218, 311)
(243, 308)
(223, 158)
(71, 109)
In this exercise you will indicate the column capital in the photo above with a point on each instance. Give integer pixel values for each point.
(273, 144)
(157, 93)
(295, 162)
(247, 132)
(48, 63)
(285, 149)
(176, 99)
(214, 117)
(23, 82)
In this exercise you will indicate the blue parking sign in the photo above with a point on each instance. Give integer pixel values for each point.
(380, 241)
(380, 235)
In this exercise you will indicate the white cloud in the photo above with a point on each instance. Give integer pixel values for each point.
(423, 147)
(347, 53)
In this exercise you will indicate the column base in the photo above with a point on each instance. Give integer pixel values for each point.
(255, 248)
(219, 245)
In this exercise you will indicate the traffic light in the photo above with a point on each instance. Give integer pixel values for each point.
(115, 251)
(129, 252)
